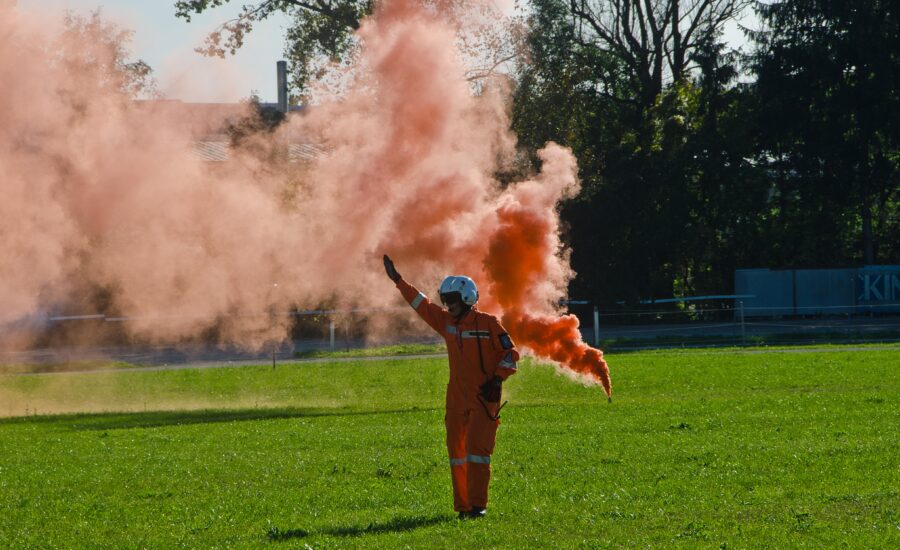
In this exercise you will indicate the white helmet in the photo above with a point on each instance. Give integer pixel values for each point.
(468, 292)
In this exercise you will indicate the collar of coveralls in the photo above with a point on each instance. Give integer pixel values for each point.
(467, 309)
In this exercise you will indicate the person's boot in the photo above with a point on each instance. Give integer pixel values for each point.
(477, 512)
(463, 515)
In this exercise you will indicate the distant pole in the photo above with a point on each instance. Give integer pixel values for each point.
(347, 335)
(282, 86)
(743, 331)
(331, 330)
(596, 326)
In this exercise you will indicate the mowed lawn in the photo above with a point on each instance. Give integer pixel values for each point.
(707, 449)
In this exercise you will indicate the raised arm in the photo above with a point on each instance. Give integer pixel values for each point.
(432, 314)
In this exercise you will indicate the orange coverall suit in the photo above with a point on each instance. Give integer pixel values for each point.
(471, 422)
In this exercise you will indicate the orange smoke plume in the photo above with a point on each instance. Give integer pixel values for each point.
(442, 145)
(526, 265)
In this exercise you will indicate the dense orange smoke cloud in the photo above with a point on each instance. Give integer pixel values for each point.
(414, 150)
(102, 193)
(103, 196)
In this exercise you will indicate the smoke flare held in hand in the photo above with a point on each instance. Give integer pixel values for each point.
(525, 255)
(106, 205)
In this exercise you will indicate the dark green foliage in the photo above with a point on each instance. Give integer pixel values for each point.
(798, 169)
(669, 198)
(828, 106)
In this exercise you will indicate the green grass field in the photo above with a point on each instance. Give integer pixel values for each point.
(711, 449)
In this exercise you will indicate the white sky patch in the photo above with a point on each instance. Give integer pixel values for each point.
(167, 44)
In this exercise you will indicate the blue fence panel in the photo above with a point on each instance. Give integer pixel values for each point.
(825, 291)
(819, 291)
(773, 291)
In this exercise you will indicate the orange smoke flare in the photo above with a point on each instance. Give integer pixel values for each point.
(524, 254)
(558, 339)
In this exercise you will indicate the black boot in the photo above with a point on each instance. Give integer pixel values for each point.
(477, 512)
(463, 515)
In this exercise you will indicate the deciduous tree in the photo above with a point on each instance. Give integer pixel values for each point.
(322, 33)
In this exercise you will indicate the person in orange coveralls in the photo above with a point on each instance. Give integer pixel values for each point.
(482, 356)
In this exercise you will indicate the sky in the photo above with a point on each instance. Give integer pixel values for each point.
(167, 44)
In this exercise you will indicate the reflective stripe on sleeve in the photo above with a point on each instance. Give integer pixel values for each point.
(417, 300)
(478, 459)
(457, 461)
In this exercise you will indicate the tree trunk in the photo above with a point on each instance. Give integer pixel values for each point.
(868, 244)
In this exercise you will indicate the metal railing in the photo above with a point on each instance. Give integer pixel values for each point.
(714, 320)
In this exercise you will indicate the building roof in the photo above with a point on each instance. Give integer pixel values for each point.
(219, 150)
(212, 151)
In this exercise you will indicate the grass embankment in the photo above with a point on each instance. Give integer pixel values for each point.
(698, 449)
(68, 366)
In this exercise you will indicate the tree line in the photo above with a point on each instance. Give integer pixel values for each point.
(695, 159)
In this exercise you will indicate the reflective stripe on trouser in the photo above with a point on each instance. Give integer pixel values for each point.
(470, 443)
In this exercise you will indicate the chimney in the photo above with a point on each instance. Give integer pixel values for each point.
(282, 87)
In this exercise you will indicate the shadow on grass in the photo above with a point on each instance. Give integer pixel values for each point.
(396, 525)
(275, 534)
(155, 419)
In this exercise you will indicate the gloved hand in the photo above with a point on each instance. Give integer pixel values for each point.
(490, 390)
(389, 269)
